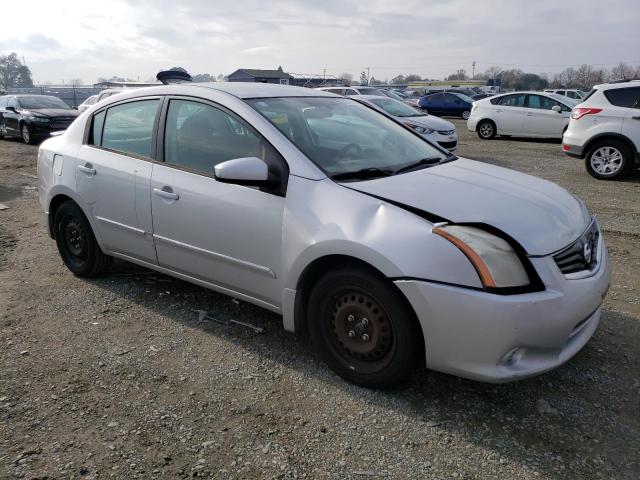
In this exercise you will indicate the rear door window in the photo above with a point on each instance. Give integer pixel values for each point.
(624, 97)
(513, 100)
(128, 127)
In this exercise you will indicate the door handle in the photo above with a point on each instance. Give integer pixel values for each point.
(498, 111)
(87, 169)
(529, 114)
(166, 192)
(636, 118)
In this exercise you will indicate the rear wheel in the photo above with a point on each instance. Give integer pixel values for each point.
(363, 328)
(77, 245)
(608, 159)
(486, 129)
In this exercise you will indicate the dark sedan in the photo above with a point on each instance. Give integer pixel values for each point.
(451, 104)
(33, 117)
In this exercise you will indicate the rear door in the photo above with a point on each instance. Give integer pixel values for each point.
(630, 99)
(113, 175)
(509, 113)
(541, 121)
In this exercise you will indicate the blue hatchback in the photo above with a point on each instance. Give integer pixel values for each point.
(452, 104)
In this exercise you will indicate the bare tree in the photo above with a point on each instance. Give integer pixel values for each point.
(622, 71)
(346, 78)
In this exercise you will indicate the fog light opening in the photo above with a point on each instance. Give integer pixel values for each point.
(513, 356)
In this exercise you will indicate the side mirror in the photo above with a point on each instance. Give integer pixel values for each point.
(250, 171)
(10, 109)
(556, 108)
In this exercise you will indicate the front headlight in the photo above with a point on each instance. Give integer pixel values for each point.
(420, 129)
(38, 119)
(497, 264)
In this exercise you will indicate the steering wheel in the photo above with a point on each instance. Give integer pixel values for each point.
(347, 148)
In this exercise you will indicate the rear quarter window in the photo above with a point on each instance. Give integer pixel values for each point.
(624, 97)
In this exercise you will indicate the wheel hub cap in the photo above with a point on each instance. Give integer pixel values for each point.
(606, 160)
(361, 327)
(75, 238)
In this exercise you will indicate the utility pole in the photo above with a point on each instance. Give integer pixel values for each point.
(368, 76)
(473, 70)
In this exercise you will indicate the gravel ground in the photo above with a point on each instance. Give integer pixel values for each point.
(117, 378)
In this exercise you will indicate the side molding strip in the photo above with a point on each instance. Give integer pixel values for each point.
(218, 256)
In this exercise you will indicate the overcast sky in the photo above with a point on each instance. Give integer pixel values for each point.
(88, 39)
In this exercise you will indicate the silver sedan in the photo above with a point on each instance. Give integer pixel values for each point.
(389, 251)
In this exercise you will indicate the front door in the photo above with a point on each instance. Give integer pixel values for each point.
(113, 175)
(224, 234)
(509, 114)
(541, 121)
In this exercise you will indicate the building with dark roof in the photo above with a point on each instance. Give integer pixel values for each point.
(261, 76)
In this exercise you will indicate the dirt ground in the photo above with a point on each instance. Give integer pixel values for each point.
(117, 378)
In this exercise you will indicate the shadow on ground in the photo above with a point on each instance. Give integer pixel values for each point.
(584, 414)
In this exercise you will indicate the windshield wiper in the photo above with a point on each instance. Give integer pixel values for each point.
(419, 163)
(363, 173)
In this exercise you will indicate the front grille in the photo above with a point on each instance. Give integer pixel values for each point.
(448, 144)
(446, 132)
(582, 254)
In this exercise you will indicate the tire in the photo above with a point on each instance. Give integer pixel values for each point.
(27, 134)
(608, 159)
(77, 245)
(486, 129)
(465, 114)
(363, 328)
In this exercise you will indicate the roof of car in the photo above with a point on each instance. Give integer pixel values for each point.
(262, 90)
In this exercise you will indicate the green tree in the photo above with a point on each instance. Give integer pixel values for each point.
(13, 73)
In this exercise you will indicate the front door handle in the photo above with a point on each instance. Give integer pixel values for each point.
(166, 192)
(87, 168)
(498, 111)
(636, 118)
(529, 114)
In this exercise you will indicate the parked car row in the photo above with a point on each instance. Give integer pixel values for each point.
(603, 129)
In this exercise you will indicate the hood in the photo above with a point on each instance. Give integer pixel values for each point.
(430, 121)
(541, 216)
(54, 112)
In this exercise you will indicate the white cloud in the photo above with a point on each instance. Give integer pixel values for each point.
(136, 38)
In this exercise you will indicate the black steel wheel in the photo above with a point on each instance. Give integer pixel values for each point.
(76, 243)
(363, 328)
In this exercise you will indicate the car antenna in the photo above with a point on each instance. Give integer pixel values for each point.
(168, 77)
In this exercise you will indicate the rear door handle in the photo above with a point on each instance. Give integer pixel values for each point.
(88, 168)
(166, 192)
(636, 118)
(498, 111)
(529, 114)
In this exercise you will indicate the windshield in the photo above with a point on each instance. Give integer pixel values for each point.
(34, 102)
(396, 108)
(341, 135)
(393, 95)
(464, 97)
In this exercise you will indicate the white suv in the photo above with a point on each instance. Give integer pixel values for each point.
(605, 129)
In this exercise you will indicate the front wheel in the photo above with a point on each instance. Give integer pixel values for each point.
(77, 245)
(363, 328)
(465, 114)
(27, 134)
(608, 160)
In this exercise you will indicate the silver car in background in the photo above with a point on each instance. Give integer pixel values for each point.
(387, 250)
(435, 129)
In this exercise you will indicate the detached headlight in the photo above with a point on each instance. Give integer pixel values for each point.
(419, 128)
(497, 264)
